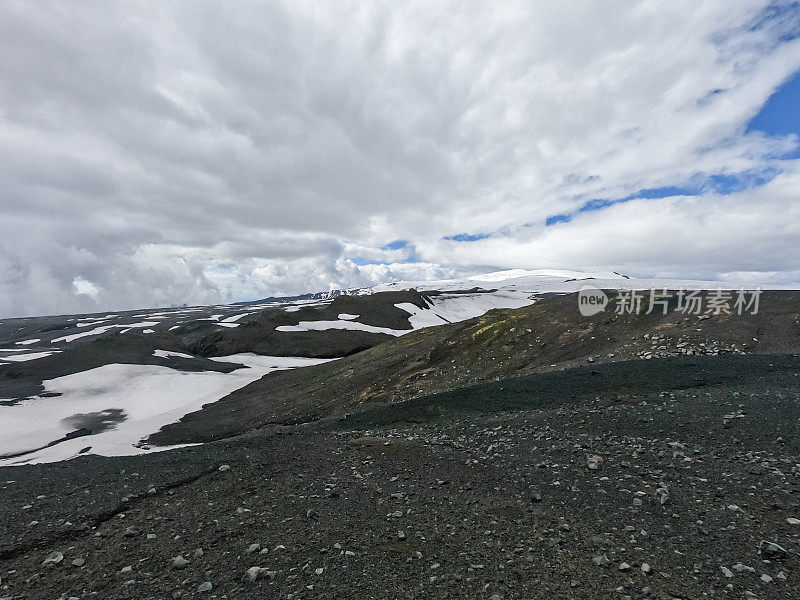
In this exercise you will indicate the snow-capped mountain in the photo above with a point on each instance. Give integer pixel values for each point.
(99, 383)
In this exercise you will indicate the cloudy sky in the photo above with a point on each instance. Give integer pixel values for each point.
(160, 153)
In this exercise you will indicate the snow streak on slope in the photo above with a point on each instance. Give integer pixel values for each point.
(340, 324)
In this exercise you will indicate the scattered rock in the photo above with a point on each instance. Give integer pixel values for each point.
(205, 587)
(178, 562)
(53, 559)
(772, 550)
(601, 560)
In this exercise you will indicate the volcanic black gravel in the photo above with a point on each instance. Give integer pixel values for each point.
(671, 489)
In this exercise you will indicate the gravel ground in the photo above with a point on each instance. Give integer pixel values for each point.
(685, 492)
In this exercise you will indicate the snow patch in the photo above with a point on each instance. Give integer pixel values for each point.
(233, 318)
(170, 354)
(27, 357)
(103, 329)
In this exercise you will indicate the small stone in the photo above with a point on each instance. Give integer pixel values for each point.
(766, 578)
(128, 569)
(223, 468)
(593, 462)
(132, 531)
(78, 562)
(198, 553)
(601, 560)
(178, 562)
(52, 559)
(401, 535)
(793, 521)
(252, 574)
(205, 587)
(646, 568)
(151, 536)
(623, 566)
(772, 550)
(726, 571)
(495, 597)
(253, 548)
(318, 571)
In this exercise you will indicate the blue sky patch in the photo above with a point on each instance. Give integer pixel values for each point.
(467, 237)
(698, 185)
(781, 113)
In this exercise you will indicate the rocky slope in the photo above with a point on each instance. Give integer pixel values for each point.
(550, 334)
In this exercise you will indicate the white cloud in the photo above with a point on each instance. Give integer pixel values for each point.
(82, 286)
(177, 152)
(669, 237)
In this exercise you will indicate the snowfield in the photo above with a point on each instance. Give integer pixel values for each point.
(144, 397)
